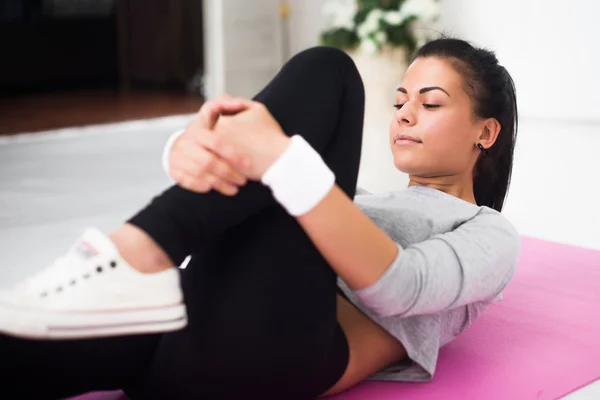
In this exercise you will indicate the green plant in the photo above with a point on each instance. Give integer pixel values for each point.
(368, 25)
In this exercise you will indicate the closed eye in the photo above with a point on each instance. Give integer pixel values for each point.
(427, 106)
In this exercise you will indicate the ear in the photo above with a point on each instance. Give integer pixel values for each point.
(489, 133)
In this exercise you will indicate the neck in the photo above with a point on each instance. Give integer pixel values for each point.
(457, 186)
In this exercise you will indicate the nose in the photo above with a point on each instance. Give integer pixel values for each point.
(406, 115)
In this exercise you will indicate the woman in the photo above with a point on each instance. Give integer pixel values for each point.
(267, 313)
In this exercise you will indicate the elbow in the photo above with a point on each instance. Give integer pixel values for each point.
(386, 312)
(382, 307)
(397, 291)
(378, 306)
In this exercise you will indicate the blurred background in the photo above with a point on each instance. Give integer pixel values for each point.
(94, 87)
(74, 62)
(91, 89)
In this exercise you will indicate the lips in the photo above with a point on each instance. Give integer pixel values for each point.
(406, 138)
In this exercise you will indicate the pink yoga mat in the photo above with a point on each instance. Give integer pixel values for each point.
(541, 342)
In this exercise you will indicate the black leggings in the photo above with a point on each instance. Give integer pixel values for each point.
(261, 299)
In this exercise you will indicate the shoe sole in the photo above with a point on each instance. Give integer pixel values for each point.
(29, 324)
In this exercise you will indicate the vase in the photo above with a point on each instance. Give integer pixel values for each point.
(381, 74)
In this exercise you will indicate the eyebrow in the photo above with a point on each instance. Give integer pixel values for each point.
(424, 90)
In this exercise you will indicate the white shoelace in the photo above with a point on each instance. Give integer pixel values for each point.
(58, 274)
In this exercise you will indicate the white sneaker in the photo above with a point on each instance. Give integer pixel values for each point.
(92, 292)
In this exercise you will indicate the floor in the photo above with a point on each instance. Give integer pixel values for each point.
(53, 185)
(63, 109)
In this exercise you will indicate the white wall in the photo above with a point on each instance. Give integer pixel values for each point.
(549, 47)
(244, 45)
(305, 23)
(554, 193)
(244, 41)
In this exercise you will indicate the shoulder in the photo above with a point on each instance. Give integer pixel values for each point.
(491, 218)
(494, 231)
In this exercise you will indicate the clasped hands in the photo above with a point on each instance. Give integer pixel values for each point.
(230, 141)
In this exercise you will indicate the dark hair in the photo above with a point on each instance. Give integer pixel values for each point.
(492, 92)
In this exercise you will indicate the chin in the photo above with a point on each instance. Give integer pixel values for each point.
(405, 163)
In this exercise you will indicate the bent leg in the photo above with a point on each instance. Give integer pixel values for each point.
(318, 94)
(261, 298)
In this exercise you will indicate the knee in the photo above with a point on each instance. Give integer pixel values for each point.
(323, 55)
(330, 54)
(329, 65)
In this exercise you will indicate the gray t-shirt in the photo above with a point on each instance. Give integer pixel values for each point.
(454, 260)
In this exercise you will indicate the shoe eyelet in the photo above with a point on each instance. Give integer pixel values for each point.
(44, 294)
(59, 289)
(86, 276)
(99, 269)
(73, 282)
(113, 264)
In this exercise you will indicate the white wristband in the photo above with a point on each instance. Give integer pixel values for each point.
(167, 152)
(299, 179)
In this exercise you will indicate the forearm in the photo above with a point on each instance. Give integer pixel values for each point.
(355, 247)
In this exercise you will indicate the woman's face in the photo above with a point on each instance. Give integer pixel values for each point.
(433, 133)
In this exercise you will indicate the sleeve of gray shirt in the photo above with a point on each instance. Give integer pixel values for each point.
(474, 262)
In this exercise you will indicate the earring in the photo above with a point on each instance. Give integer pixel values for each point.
(483, 149)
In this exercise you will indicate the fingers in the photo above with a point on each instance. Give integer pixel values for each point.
(225, 188)
(208, 162)
(190, 182)
(204, 184)
(223, 105)
(226, 172)
(218, 145)
(196, 168)
(201, 161)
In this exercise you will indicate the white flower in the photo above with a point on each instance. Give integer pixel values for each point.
(370, 24)
(393, 17)
(381, 37)
(340, 13)
(425, 10)
(374, 16)
(363, 31)
(368, 46)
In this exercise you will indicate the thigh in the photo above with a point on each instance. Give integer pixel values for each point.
(33, 369)
(262, 319)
